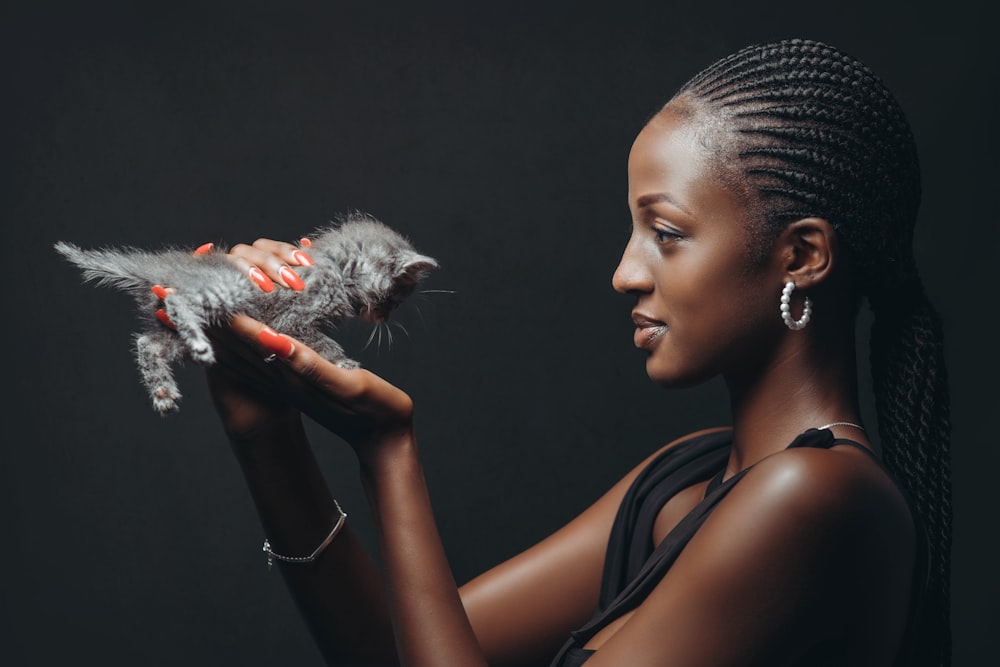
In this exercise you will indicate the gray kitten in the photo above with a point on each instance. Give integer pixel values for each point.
(362, 269)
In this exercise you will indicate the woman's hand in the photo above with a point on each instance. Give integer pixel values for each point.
(355, 404)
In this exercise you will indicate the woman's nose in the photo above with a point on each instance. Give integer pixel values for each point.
(631, 276)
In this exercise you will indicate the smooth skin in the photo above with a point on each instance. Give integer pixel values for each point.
(810, 554)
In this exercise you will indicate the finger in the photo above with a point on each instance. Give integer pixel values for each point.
(262, 339)
(161, 314)
(250, 268)
(161, 293)
(291, 254)
(277, 344)
(301, 360)
(269, 262)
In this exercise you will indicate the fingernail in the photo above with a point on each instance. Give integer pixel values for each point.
(204, 248)
(160, 293)
(275, 342)
(302, 258)
(304, 242)
(291, 278)
(161, 315)
(261, 279)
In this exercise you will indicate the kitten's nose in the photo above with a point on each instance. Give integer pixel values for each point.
(372, 315)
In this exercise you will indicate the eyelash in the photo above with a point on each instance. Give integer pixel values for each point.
(666, 235)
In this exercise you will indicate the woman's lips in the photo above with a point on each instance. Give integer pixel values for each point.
(647, 330)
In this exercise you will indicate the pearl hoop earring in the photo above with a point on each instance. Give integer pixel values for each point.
(786, 309)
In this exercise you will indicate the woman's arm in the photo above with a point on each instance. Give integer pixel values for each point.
(520, 611)
(420, 597)
(340, 594)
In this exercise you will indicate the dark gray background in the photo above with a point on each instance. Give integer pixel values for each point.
(495, 136)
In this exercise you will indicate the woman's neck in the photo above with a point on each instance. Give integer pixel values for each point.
(810, 381)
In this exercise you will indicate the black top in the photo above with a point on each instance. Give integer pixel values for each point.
(633, 567)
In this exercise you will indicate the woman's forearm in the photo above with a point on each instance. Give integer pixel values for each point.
(431, 626)
(340, 594)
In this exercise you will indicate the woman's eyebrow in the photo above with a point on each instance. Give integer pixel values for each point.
(647, 200)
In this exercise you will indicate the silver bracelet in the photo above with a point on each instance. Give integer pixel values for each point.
(272, 556)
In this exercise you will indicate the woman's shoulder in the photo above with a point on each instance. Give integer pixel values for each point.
(809, 544)
(823, 532)
(838, 500)
(841, 480)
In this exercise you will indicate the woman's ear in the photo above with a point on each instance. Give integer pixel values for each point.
(806, 250)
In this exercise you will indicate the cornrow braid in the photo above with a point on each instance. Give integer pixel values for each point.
(817, 133)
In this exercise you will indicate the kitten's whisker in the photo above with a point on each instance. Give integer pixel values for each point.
(398, 324)
(388, 330)
(370, 338)
(420, 315)
(436, 291)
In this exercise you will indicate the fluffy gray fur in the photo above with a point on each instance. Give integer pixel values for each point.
(362, 269)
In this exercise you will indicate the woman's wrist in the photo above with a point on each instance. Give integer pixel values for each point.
(293, 501)
(387, 454)
(270, 446)
(273, 451)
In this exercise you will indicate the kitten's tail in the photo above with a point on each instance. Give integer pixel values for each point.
(125, 268)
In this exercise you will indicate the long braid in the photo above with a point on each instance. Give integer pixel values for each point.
(911, 393)
(818, 134)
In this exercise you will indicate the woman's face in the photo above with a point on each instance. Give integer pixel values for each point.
(703, 307)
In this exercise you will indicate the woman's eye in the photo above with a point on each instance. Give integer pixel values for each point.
(664, 235)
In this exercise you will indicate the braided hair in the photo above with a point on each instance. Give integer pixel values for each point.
(818, 134)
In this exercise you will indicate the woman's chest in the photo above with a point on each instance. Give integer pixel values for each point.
(675, 509)
(672, 512)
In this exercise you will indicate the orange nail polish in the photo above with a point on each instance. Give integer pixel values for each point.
(160, 293)
(161, 315)
(291, 278)
(305, 242)
(204, 248)
(302, 258)
(261, 279)
(275, 342)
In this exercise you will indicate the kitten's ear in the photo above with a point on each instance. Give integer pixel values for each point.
(416, 266)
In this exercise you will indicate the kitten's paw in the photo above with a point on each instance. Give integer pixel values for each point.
(203, 353)
(349, 364)
(165, 400)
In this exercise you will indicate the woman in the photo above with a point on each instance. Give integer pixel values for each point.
(772, 193)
